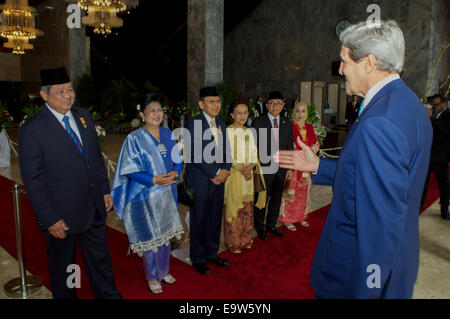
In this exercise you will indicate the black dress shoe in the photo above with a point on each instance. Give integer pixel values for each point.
(445, 215)
(263, 235)
(275, 231)
(201, 268)
(218, 261)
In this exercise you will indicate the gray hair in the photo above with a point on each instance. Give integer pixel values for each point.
(385, 42)
(46, 88)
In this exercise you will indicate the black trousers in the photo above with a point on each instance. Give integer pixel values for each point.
(274, 188)
(440, 170)
(205, 220)
(95, 251)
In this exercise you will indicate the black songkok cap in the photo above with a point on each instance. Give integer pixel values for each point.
(208, 91)
(54, 76)
(275, 95)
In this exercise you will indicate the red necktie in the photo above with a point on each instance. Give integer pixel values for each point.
(275, 131)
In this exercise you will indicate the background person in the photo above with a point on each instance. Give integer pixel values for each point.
(297, 192)
(440, 152)
(352, 110)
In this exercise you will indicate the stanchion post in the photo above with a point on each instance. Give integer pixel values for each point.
(23, 286)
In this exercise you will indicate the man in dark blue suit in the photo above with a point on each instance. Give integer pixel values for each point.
(369, 246)
(208, 163)
(64, 175)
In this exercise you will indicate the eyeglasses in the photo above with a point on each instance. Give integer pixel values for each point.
(275, 103)
(213, 101)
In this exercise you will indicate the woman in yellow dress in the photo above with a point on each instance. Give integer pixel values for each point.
(239, 188)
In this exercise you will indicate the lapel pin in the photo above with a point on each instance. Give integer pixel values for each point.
(83, 122)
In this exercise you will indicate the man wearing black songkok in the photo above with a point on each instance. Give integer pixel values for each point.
(207, 169)
(64, 175)
(273, 133)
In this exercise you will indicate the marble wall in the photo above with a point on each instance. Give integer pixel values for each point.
(196, 49)
(9, 67)
(284, 42)
(439, 36)
(205, 46)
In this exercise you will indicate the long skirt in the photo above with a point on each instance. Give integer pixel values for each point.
(295, 199)
(239, 233)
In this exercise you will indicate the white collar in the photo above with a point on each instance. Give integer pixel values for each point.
(271, 118)
(377, 87)
(58, 115)
(208, 118)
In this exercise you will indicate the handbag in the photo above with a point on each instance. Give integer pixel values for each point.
(186, 194)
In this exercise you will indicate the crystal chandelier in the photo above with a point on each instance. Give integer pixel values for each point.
(17, 25)
(102, 14)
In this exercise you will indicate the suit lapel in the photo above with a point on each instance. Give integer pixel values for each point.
(272, 136)
(57, 131)
(283, 127)
(82, 129)
(206, 126)
(385, 90)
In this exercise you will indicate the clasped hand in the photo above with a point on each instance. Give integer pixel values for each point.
(58, 230)
(247, 171)
(166, 179)
(221, 177)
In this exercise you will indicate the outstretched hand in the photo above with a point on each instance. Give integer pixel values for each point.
(304, 160)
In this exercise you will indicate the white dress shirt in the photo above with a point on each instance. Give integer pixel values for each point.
(208, 119)
(72, 123)
(271, 119)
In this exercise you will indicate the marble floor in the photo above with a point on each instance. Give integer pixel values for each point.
(432, 283)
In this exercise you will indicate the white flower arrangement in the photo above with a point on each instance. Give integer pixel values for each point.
(100, 130)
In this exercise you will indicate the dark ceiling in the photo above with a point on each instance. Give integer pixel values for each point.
(152, 44)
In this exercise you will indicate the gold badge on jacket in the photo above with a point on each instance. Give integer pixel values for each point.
(83, 122)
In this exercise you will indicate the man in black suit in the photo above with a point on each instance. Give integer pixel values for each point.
(206, 153)
(273, 133)
(352, 110)
(64, 175)
(440, 152)
(260, 106)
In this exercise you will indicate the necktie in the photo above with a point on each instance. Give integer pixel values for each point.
(361, 107)
(73, 135)
(214, 131)
(275, 127)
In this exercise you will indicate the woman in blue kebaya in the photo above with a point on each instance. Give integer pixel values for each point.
(145, 194)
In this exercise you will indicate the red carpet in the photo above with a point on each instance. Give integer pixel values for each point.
(276, 269)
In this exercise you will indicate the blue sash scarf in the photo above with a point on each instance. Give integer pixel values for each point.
(149, 214)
